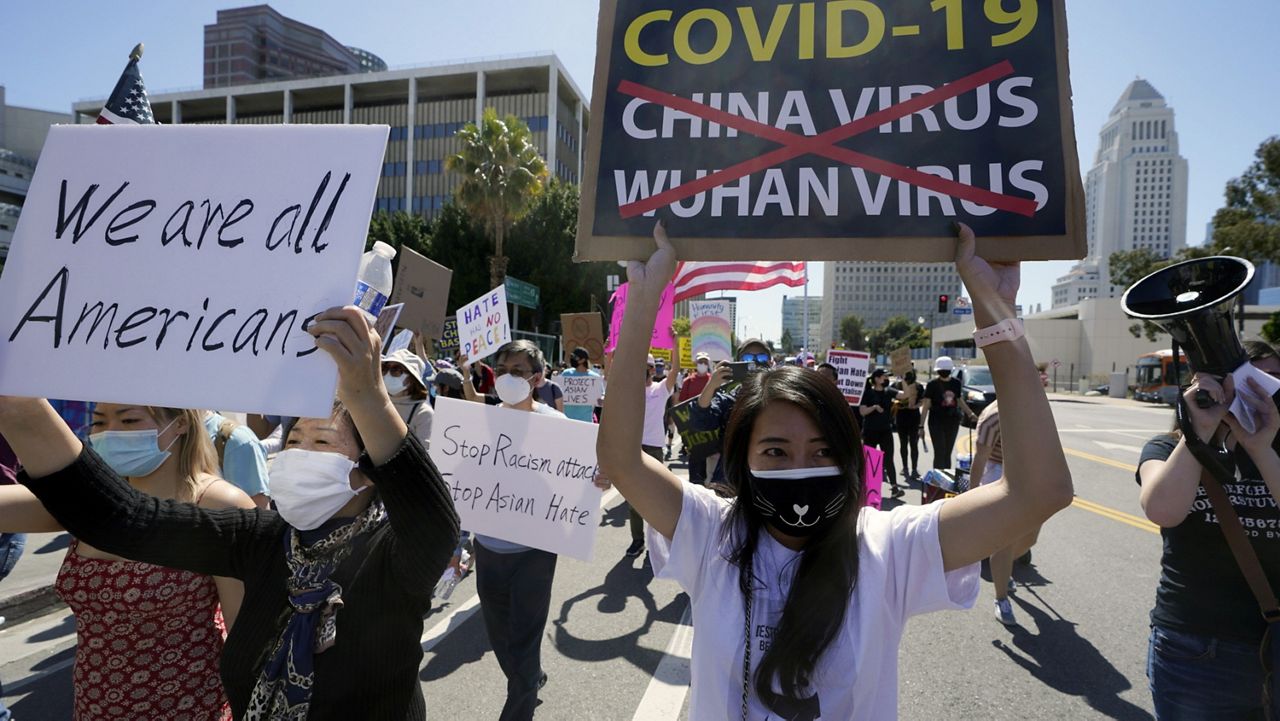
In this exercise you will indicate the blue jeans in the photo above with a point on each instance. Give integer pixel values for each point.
(1195, 678)
(11, 545)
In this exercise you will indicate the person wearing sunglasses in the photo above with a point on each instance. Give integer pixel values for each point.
(755, 351)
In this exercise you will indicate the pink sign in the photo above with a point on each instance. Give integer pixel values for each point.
(873, 474)
(662, 336)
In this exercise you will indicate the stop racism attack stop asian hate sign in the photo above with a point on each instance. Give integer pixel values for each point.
(849, 129)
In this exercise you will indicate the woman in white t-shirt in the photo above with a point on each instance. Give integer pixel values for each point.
(790, 623)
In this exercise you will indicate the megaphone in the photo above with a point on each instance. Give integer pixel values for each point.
(1193, 302)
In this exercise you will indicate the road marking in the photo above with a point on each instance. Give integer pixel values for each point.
(1100, 459)
(664, 697)
(1113, 514)
(1146, 432)
(1119, 447)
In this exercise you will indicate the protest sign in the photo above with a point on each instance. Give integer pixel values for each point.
(709, 326)
(449, 335)
(852, 368)
(852, 129)
(580, 390)
(423, 286)
(519, 476)
(583, 330)
(872, 475)
(900, 360)
(686, 351)
(699, 430)
(402, 341)
(147, 256)
(662, 336)
(483, 325)
(662, 355)
(386, 324)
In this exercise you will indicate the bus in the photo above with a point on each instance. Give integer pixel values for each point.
(1155, 380)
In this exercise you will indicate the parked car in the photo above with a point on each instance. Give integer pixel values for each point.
(979, 387)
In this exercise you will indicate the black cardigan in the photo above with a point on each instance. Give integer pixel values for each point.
(372, 670)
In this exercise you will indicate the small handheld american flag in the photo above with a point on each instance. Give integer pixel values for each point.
(128, 104)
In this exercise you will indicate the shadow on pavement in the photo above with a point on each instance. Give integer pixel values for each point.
(466, 644)
(616, 516)
(66, 628)
(623, 582)
(1060, 658)
(61, 543)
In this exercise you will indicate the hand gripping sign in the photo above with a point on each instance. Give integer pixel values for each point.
(850, 129)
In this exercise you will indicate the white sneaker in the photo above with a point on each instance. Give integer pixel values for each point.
(1004, 612)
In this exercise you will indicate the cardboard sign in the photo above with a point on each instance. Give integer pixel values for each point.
(519, 476)
(832, 131)
(709, 322)
(386, 325)
(900, 360)
(580, 390)
(583, 330)
(483, 325)
(852, 367)
(686, 351)
(449, 335)
(662, 336)
(147, 256)
(423, 286)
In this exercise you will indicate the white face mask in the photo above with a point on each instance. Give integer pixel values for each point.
(308, 487)
(704, 368)
(513, 391)
(395, 384)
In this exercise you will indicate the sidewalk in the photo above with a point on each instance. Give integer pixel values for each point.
(28, 590)
(1103, 401)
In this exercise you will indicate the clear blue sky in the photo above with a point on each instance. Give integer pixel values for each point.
(1218, 64)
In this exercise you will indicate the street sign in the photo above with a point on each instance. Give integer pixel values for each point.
(522, 293)
(962, 311)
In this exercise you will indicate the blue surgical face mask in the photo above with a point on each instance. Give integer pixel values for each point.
(132, 454)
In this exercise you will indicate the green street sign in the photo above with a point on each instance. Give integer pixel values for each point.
(522, 293)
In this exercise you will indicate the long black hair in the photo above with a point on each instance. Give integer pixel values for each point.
(823, 584)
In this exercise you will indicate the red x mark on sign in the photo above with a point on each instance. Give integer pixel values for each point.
(824, 144)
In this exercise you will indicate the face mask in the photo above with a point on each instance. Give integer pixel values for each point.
(704, 368)
(513, 391)
(944, 374)
(799, 501)
(132, 454)
(395, 384)
(308, 487)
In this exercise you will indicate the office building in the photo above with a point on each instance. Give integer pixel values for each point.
(425, 107)
(793, 319)
(1135, 193)
(257, 44)
(876, 292)
(22, 134)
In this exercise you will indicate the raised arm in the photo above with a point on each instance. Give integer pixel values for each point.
(1037, 482)
(646, 484)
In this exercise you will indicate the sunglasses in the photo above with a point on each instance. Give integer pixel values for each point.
(762, 358)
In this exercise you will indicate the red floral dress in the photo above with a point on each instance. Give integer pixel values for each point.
(148, 640)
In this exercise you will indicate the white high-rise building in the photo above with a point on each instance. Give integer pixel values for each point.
(1135, 193)
(793, 318)
(876, 292)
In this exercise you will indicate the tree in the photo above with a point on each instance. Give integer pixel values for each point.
(852, 333)
(1130, 266)
(788, 342)
(502, 173)
(400, 230)
(681, 325)
(1249, 224)
(897, 332)
(1271, 329)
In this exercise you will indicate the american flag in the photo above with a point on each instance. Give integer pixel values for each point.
(128, 104)
(694, 279)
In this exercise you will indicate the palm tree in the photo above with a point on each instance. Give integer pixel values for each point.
(502, 172)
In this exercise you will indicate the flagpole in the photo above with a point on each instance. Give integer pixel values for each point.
(806, 309)
(137, 52)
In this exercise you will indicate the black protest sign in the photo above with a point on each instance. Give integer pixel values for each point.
(449, 336)
(423, 286)
(849, 129)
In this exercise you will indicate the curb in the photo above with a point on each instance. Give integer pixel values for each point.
(18, 608)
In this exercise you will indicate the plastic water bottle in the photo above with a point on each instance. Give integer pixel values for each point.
(373, 284)
(447, 582)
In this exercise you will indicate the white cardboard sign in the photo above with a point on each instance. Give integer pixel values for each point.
(580, 390)
(519, 476)
(177, 265)
(852, 368)
(483, 325)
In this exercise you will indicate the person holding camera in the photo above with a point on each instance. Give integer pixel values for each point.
(1209, 655)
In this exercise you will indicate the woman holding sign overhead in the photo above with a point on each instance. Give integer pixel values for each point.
(799, 593)
(364, 526)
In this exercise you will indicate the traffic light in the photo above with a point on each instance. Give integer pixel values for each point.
(942, 303)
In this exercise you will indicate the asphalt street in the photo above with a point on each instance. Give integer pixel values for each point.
(617, 643)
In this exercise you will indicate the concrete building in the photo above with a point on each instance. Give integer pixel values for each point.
(793, 318)
(425, 107)
(256, 44)
(22, 134)
(1090, 340)
(876, 292)
(1135, 193)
